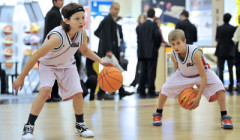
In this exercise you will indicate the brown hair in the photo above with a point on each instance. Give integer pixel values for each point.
(139, 18)
(176, 34)
(65, 12)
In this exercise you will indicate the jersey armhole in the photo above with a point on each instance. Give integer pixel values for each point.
(174, 56)
(57, 33)
(193, 53)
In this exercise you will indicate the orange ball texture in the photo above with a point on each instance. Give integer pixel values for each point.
(7, 30)
(9, 63)
(186, 96)
(8, 52)
(8, 41)
(34, 28)
(110, 79)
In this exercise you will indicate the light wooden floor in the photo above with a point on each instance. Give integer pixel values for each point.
(129, 119)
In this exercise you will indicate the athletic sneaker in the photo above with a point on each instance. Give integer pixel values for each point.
(157, 119)
(226, 122)
(28, 132)
(82, 130)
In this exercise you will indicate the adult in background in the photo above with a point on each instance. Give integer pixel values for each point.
(141, 19)
(188, 28)
(236, 39)
(148, 38)
(52, 20)
(225, 50)
(109, 43)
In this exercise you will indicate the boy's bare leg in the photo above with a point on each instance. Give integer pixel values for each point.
(161, 101)
(39, 101)
(157, 117)
(82, 129)
(226, 122)
(222, 100)
(78, 103)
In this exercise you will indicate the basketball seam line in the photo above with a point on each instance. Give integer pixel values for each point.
(115, 79)
(187, 100)
(107, 80)
(107, 73)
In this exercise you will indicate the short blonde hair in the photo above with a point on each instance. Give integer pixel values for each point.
(176, 34)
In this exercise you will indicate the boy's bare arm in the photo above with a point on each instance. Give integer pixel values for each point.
(174, 62)
(201, 70)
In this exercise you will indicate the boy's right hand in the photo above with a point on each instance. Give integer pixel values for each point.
(18, 83)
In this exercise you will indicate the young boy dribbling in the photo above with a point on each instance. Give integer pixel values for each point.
(191, 68)
(56, 61)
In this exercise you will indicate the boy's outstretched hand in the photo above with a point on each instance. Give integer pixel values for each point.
(18, 83)
(194, 102)
(106, 64)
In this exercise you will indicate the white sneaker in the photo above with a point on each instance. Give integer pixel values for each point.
(83, 131)
(28, 132)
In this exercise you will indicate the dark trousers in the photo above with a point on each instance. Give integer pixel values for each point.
(3, 82)
(221, 61)
(91, 83)
(54, 92)
(237, 65)
(137, 74)
(148, 75)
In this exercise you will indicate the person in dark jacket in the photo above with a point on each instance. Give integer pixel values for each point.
(149, 40)
(109, 36)
(52, 20)
(225, 49)
(189, 29)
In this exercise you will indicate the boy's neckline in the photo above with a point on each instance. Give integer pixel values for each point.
(183, 59)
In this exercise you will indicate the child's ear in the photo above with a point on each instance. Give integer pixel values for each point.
(66, 20)
(185, 41)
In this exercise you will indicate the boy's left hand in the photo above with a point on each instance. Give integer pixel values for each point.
(195, 102)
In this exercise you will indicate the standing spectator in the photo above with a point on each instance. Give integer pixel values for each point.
(108, 33)
(236, 39)
(225, 48)
(158, 21)
(141, 19)
(148, 44)
(188, 28)
(3, 80)
(109, 43)
(52, 20)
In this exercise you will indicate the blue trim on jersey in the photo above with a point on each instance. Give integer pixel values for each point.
(186, 57)
(174, 56)
(69, 40)
(61, 37)
(193, 53)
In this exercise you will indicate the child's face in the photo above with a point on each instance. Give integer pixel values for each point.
(178, 45)
(77, 21)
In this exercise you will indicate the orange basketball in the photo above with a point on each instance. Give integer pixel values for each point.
(186, 96)
(110, 79)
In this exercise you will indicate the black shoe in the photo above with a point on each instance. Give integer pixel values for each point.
(104, 97)
(125, 93)
(153, 94)
(49, 100)
(230, 89)
(28, 132)
(92, 96)
(56, 99)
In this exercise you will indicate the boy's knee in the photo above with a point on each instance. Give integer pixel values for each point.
(213, 98)
(45, 92)
(78, 95)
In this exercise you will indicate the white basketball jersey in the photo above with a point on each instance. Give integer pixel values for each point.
(187, 66)
(63, 55)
